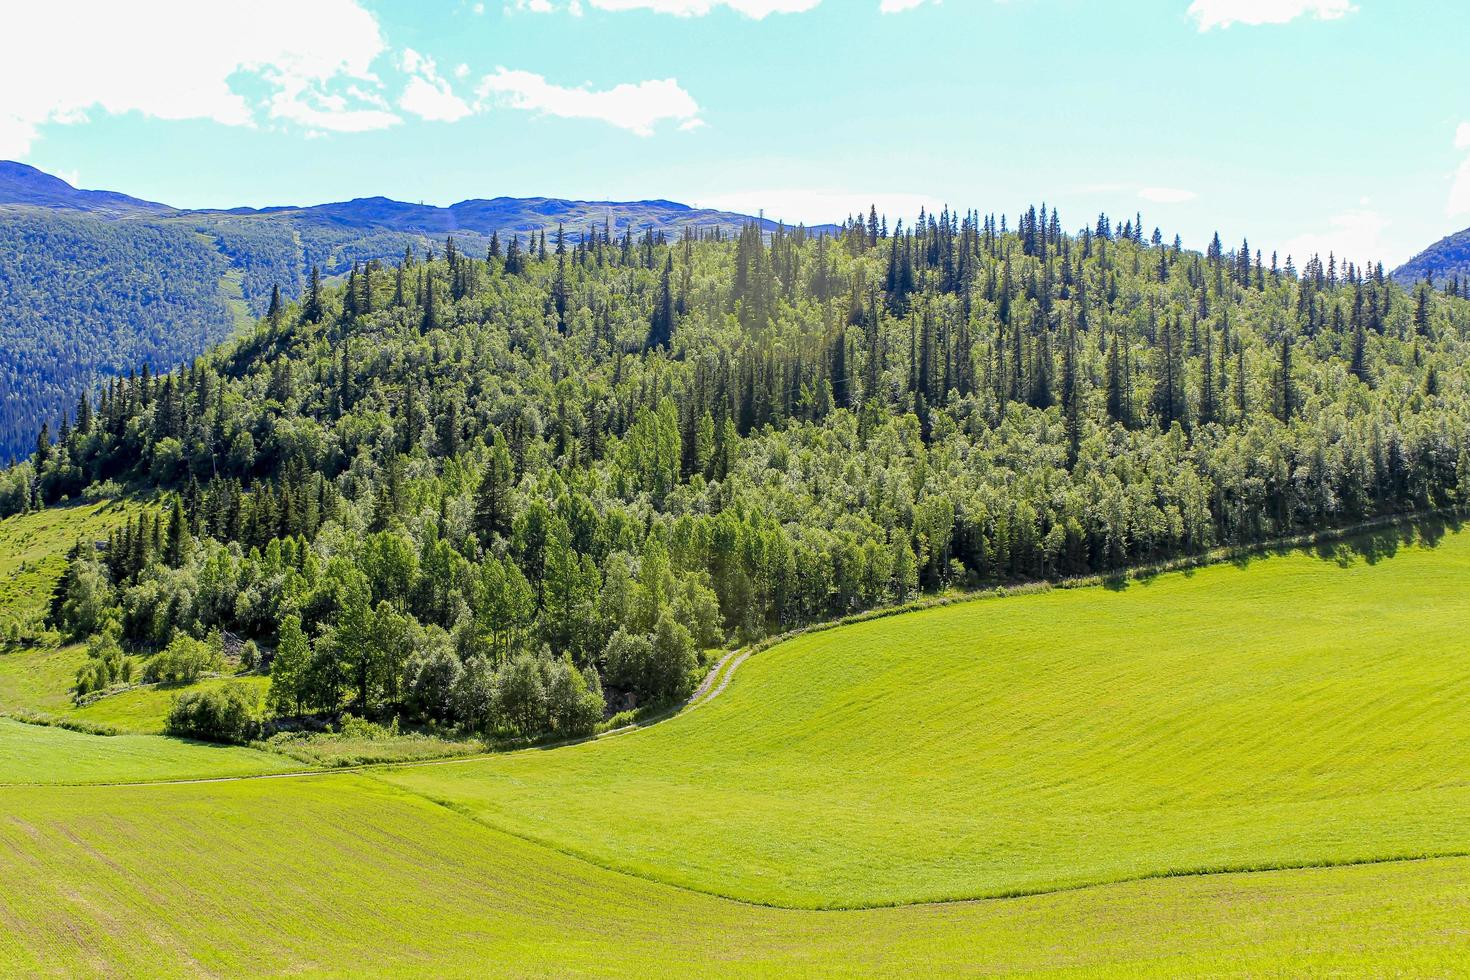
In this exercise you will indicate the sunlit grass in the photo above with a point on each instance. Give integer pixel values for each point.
(1305, 709)
(345, 876)
(50, 755)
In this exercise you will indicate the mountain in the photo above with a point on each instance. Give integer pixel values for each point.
(512, 215)
(1442, 261)
(25, 185)
(96, 283)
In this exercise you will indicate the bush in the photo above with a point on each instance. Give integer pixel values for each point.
(106, 663)
(104, 490)
(226, 714)
(363, 730)
(183, 661)
(434, 679)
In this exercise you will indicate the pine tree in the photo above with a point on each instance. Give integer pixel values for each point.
(1285, 389)
(1359, 362)
(1208, 412)
(178, 535)
(273, 313)
(43, 447)
(1072, 395)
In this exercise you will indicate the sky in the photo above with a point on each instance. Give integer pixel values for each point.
(1303, 125)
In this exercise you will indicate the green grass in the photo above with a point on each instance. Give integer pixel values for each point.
(33, 754)
(343, 875)
(1304, 709)
(33, 549)
(144, 710)
(39, 678)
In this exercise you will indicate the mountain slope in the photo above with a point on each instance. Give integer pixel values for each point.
(94, 283)
(1441, 262)
(23, 184)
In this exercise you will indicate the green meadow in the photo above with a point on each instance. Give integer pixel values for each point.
(33, 550)
(343, 875)
(1305, 709)
(1248, 769)
(36, 754)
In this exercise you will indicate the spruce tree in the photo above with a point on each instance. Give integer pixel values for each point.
(661, 321)
(311, 310)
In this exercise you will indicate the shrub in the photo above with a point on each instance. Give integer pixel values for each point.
(225, 714)
(106, 663)
(434, 681)
(104, 490)
(183, 661)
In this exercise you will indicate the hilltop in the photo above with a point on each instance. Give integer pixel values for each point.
(1446, 261)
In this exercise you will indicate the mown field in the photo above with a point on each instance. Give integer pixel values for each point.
(1305, 709)
(345, 875)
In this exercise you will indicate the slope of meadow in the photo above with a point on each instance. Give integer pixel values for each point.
(36, 754)
(33, 550)
(343, 875)
(1305, 709)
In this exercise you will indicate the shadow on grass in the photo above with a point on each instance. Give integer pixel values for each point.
(1343, 548)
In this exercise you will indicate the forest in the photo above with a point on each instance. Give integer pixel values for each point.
(514, 490)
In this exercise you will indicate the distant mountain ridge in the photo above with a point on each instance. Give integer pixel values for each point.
(24, 185)
(96, 283)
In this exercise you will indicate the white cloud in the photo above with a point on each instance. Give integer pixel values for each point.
(638, 108)
(1166, 195)
(1209, 14)
(427, 95)
(822, 205)
(61, 61)
(1460, 189)
(1355, 235)
(757, 9)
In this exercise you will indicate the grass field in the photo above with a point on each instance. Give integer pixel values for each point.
(144, 710)
(1305, 709)
(39, 678)
(344, 875)
(33, 550)
(1102, 746)
(38, 754)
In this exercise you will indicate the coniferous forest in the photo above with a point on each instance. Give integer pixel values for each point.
(513, 491)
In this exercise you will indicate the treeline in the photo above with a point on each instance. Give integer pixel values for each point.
(509, 491)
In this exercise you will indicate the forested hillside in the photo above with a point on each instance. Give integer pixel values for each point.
(84, 298)
(503, 490)
(92, 282)
(1446, 263)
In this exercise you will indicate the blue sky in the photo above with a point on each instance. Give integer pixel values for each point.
(1304, 124)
